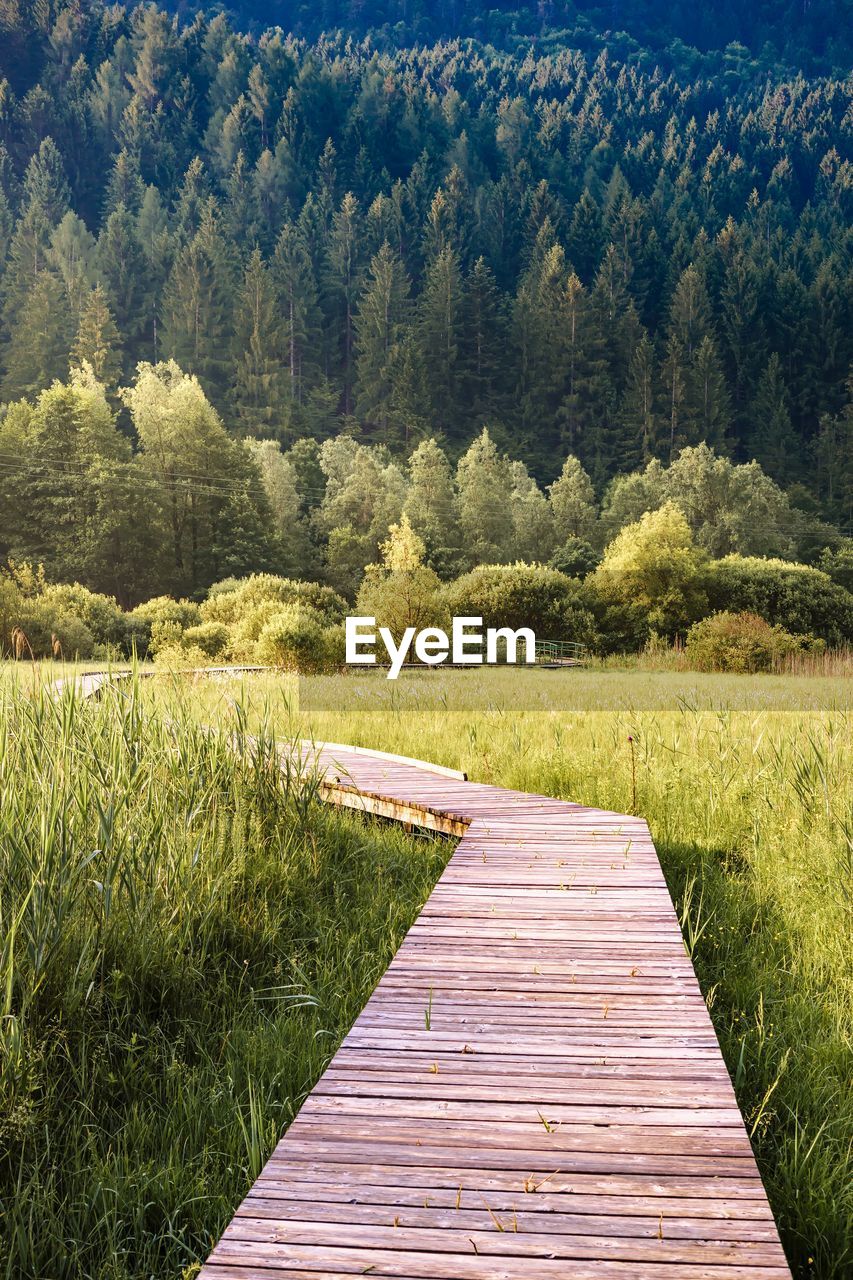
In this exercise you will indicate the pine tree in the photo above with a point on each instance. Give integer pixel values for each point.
(585, 241)
(45, 182)
(439, 328)
(539, 332)
(344, 276)
(573, 504)
(690, 311)
(125, 186)
(41, 339)
(258, 397)
(617, 317)
(410, 412)
(570, 413)
(431, 506)
(198, 304)
(28, 258)
(481, 342)
(98, 341)
(484, 483)
(706, 405)
(382, 314)
(296, 289)
(71, 432)
(129, 281)
(639, 409)
(834, 455)
(673, 380)
(742, 327)
(773, 441)
(72, 257)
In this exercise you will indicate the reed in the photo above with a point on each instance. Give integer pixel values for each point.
(185, 937)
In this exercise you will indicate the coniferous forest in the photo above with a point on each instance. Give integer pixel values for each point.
(604, 234)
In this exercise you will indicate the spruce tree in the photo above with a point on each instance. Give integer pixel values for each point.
(345, 271)
(585, 241)
(573, 504)
(198, 306)
(706, 403)
(129, 280)
(431, 506)
(484, 483)
(98, 341)
(481, 343)
(258, 397)
(439, 329)
(639, 409)
(72, 257)
(41, 339)
(773, 441)
(690, 311)
(45, 182)
(296, 291)
(381, 318)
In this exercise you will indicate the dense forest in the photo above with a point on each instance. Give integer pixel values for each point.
(811, 34)
(593, 252)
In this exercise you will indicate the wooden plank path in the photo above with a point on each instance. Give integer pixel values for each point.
(533, 1090)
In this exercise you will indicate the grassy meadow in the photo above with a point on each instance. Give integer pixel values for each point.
(187, 934)
(746, 784)
(185, 937)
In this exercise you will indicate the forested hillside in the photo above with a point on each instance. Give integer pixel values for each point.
(604, 258)
(815, 33)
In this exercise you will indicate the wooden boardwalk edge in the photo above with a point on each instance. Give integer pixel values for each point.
(533, 1090)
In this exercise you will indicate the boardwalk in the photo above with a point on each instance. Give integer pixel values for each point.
(533, 1090)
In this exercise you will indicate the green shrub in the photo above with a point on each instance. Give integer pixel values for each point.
(575, 558)
(142, 621)
(177, 656)
(47, 614)
(42, 623)
(293, 638)
(741, 642)
(797, 597)
(334, 648)
(524, 595)
(838, 563)
(101, 614)
(231, 600)
(210, 637)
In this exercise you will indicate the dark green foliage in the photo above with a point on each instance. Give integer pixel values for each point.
(553, 605)
(613, 256)
(800, 599)
(576, 558)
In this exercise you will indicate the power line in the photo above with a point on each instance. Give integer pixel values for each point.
(188, 483)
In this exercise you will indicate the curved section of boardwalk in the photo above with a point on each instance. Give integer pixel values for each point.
(534, 1089)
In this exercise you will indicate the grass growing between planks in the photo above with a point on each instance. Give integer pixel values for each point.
(746, 784)
(185, 936)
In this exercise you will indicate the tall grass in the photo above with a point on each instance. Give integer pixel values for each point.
(829, 663)
(746, 784)
(185, 936)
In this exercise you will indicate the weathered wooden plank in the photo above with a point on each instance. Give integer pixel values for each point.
(533, 1090)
